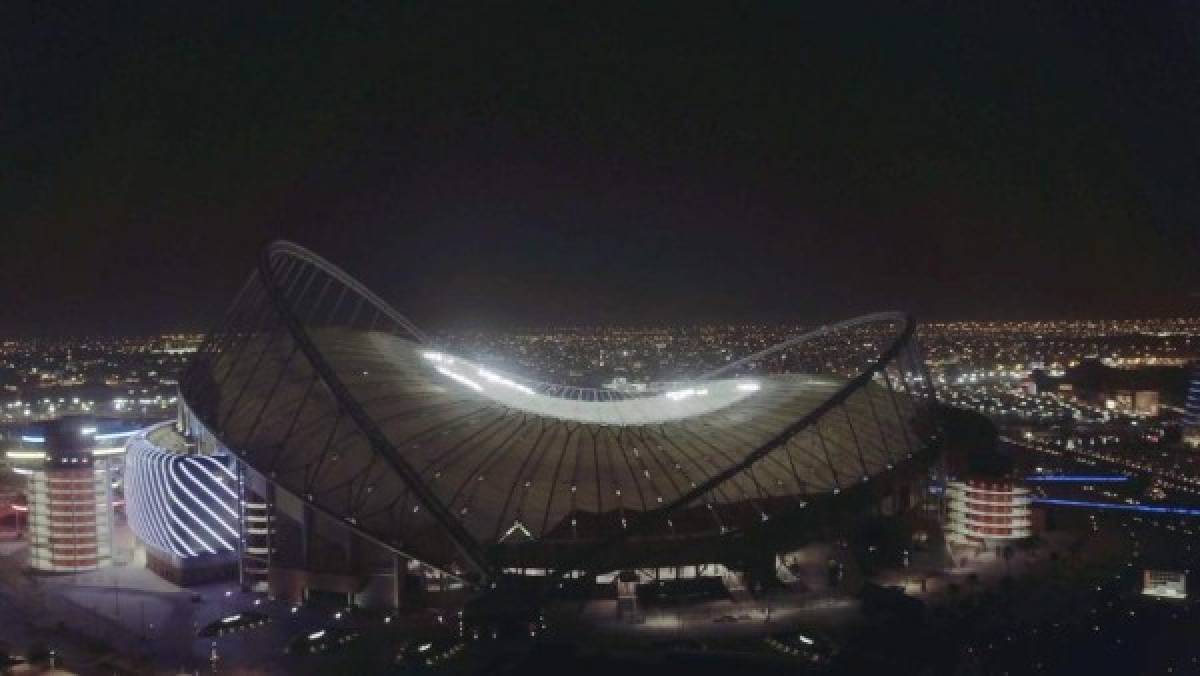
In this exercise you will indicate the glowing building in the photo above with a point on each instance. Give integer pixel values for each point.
(987, 512)
(69, 497)
(1191, 417)
(182, 505)
(371, 463)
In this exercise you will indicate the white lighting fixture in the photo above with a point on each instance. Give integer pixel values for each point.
(114, 450)
(677, 395)
(33, 440)
(316, 635)
(26, 455)
(501, 380)
(749, 387)
(460, 378)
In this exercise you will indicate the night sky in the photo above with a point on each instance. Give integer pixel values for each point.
(499, 164)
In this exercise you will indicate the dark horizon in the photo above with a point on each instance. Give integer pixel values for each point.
(554, 166)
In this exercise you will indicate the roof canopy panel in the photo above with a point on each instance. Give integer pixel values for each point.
(321, 386)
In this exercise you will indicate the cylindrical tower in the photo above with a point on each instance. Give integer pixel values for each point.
(70, 502)
(987, 511)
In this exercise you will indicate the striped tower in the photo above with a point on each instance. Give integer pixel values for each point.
(183, 506)
(1191, 417)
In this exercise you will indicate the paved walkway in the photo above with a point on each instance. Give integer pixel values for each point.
(714, 619)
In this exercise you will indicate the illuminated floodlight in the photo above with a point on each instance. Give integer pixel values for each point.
(316, 635)
(438, 357)
(87, 431)
(22, 470)
(749, 387)
(26, 455)
(33, 440)
(804, 639)
(231, 619)
(501, 380)
(113, 435)
(460, 378)
(678, 395)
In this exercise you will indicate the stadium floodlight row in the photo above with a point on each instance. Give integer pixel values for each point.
(337, 399)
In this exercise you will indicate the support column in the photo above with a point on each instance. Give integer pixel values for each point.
(627, 605)
(306, 535)
(399, 580)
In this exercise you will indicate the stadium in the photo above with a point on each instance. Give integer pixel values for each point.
(374, 463)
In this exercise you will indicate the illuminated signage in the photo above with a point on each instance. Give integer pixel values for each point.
(1165, 584)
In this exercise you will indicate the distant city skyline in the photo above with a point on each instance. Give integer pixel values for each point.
(49, 336)
(741, 457)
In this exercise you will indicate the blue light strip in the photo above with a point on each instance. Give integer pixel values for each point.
(1076, 478)
(1147, 509)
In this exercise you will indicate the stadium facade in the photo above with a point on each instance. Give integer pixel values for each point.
(372, 463)
(183, 506)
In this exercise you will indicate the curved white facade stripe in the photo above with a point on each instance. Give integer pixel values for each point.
(182, 504)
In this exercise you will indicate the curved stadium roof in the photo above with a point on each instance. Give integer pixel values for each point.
(318, 384)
